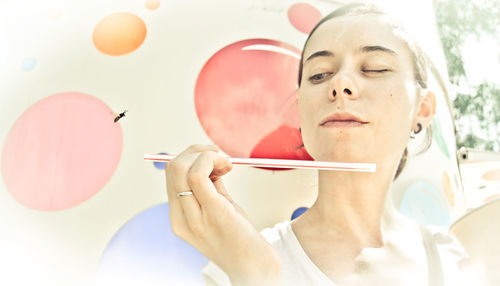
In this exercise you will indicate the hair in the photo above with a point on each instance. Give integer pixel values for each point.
(419, 59)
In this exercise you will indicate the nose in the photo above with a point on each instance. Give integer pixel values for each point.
(342, 85)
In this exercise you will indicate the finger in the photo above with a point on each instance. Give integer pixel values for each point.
(221, 189)
(219, 185)
(176, 183)
(176, 169)
(186, 208)
(198, 179)
(177, 216)
(197, 148)
(191, 210)
(177, 219)
(186, 213)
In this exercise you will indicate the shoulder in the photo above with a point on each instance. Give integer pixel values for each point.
(447, 244)
(275, 234)
(283, 240)
(455, 260)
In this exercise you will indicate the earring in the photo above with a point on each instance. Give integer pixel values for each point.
(414, 132)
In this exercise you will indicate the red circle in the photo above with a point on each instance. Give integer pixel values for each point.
(283, 143)
(245, 92)
(303, 17)
(61, 151)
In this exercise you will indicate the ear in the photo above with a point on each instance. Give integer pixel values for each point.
(425, 110)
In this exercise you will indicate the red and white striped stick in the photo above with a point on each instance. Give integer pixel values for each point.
(280, 163)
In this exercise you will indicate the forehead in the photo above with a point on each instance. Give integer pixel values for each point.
(348, 33)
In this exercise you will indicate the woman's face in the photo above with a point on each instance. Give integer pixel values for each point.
(358, 95)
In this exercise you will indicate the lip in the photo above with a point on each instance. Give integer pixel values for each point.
(342, 119)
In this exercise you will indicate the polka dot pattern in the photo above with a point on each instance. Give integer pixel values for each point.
(61, 151)
(146, 252)
(303, 17)
(119, 34)
(298, 212)
(252, 84)
(160, 165)
(152, 4)
(448, 189)
(423, 203)
(492, 175)
(28, 64)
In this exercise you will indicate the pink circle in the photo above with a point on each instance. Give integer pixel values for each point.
(303, 17)
(61, 151)
(491, 197)
(493, 175)
(247, 90)
(152, 4)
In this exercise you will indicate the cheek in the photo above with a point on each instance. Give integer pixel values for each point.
(396, 117)
(307, 109)
(304, 114)
(307, 104)
(390, 104)
(400, 99)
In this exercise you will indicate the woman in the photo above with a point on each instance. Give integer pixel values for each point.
(362, 92)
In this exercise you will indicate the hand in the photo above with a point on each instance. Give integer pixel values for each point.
(211, 221)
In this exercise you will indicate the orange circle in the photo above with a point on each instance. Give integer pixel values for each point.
(447, 189)
(152, 4)
(119, 34)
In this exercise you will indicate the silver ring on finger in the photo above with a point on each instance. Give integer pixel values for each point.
(182, 194)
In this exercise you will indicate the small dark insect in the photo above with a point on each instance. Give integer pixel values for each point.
(120, 115)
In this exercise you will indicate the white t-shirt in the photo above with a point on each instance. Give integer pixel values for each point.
(298, 269)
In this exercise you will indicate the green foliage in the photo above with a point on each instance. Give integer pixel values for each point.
(484, 105)
(477, 111)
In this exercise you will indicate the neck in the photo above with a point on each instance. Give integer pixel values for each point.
(353, 204)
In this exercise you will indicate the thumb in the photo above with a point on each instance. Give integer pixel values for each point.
(222, 166)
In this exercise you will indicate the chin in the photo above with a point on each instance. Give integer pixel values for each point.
(340, 148)
(346, 154)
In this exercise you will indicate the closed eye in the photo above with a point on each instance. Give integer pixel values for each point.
(319, 77)
(377, 71)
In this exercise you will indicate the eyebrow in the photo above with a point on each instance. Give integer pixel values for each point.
(364, 49)
(367, 49)
(323, 53)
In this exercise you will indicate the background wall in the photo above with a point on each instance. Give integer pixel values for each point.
(78, 203)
